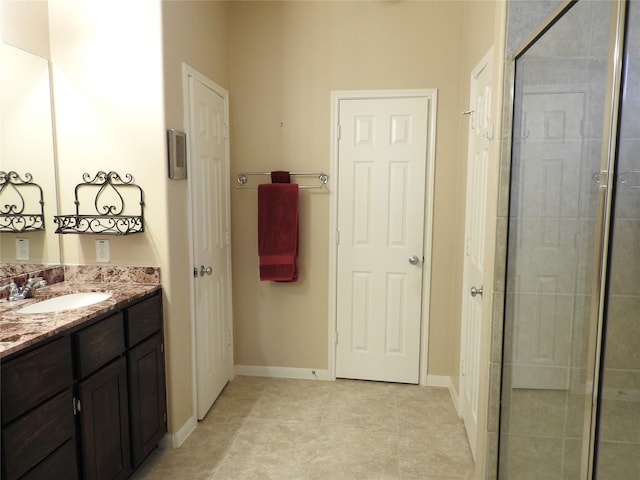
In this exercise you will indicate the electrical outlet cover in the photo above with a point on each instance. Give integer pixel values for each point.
(102, 251)
(22, 249)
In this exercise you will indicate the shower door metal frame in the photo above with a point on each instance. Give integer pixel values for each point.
(606, 181)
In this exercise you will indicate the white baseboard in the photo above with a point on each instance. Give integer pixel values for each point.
(445, 382)
(438, 381)
(282, 372)
(174, 440)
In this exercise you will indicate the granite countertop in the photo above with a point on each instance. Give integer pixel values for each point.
(18, 331)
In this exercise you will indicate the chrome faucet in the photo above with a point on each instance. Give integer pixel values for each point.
(26, 291)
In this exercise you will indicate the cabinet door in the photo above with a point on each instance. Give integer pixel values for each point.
(104, 424)
(146, 397)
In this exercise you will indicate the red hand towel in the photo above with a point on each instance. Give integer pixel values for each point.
(278, 231)
(280, 177)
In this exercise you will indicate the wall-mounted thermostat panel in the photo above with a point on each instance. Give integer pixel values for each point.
(177, 154)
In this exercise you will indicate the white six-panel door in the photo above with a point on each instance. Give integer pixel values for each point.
(211, 256)
(382, 158)
(480, 133)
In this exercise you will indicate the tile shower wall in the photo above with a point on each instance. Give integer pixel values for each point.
(619, 417)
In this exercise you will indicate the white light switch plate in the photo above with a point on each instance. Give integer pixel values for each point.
(22, 249)
(102, 251)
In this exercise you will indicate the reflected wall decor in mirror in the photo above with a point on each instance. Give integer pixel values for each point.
(21, 203)
(27, 147)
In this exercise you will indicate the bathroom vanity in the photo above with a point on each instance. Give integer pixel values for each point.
(86, 398)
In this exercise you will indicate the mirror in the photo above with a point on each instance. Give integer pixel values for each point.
(27, 146)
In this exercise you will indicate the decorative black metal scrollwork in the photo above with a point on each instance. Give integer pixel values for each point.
(109, 204)
(15, 203)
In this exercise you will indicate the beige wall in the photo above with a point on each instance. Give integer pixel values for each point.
(15, 15)
(285, 59)
(195, 33)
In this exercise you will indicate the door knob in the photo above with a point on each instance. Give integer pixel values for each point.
(413, 259)
(476, 291)
(204, 270)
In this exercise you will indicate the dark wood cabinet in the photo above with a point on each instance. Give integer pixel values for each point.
(88, 403)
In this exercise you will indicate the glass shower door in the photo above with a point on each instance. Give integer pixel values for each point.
(618, 433)
(556, 216)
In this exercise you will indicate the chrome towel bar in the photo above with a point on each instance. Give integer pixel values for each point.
(323, 178)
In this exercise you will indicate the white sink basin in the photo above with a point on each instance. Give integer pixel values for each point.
(65, 302)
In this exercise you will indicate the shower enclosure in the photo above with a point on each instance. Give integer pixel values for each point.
(570, 391)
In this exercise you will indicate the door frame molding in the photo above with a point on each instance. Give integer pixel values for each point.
(188, 71)
(336, 96)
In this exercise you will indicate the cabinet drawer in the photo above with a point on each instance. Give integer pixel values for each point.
(31, 378)
(98, 344)
(33, 437)
(60, 465)
(143, 319)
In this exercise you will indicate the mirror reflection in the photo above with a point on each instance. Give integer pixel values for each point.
(21, 203)
(27, 146)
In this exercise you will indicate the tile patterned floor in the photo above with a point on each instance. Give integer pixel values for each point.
(282, 429)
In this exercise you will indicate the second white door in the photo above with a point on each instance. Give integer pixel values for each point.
(480, 132)
(211, 249)
(382, 160)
